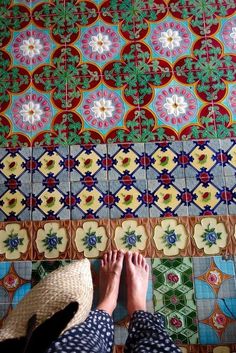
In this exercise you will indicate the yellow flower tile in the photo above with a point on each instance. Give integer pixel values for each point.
(164, 160)
(130, 236)
(12, 165)
(51, 240)
(50, 163)
(14, 241)
(202, 159)
(89, 199)
(170, 237)
(50, 201)
(126, 161)
(167, 197)
(206, 196)
(128, 198)
(88, 163)
(210, 235)
(91, 239)
(12, 202)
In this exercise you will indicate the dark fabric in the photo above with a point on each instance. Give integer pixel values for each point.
(96, 335)
(147, 334)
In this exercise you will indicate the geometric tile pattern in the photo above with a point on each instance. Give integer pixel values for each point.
(15, 283)
(162, 179)
(214, 278)
(156, 237)
(217, 320)
(121, 72)
(117, 130)
(174, 297)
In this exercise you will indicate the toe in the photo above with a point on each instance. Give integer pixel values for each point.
(143, 263)
(140, 258)
(104, 260)
(128, 257)
(146, 268)
(135, 258)
(120, 255)
(114, 256)
(109, 256)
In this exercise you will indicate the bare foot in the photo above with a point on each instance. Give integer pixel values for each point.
(110, 271)
(137, 272)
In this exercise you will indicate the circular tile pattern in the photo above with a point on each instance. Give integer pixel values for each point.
(103, 109)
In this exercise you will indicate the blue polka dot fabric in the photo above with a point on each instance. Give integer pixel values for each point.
(96, 335)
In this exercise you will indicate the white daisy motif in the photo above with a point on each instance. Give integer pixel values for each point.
(175, 105)
(31, 112)
(103, 108)
(170, 39)
(31, 47)
(233, 34)
(100, 43)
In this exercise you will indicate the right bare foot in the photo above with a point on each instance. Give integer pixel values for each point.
(137, 272)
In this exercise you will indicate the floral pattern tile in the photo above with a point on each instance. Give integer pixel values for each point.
(171, 237)
(174, 297)
(15, 241)
(89, 200)
(204, 159)
(116, 72)
(51, 200)
(15, 202)
(131, 235)
(167, 198)
(112, 138)
(90, 238)
(15, 165)
(211, 236)
(50, 164)
(52, 240)
(207, 196)
(128, 198)
(15, 283)
(88, 162)
(216, 320)
(126, 161)
(214, 277)
(165, 161)
(228, 156)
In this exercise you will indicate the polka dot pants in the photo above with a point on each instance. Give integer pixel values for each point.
(96, 334)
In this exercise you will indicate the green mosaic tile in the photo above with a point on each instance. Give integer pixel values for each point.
(173, 297)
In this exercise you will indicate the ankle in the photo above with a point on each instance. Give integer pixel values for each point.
(136, 307)
(108, 308)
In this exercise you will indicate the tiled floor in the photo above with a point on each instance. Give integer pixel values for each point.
(117, 131)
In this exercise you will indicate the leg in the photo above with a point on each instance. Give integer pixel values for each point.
(146, 331)
(96, 334)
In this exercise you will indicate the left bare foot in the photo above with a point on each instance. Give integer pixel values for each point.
(110, 271)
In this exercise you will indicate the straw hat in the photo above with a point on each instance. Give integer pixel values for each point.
(70, 283)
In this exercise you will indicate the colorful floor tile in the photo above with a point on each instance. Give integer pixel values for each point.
(88, 162)
(15, 283)
(174, 297)
(89, 199)
(128, 198)
(147, 81)
(117, 131)
(217, 321)
(214, 277)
